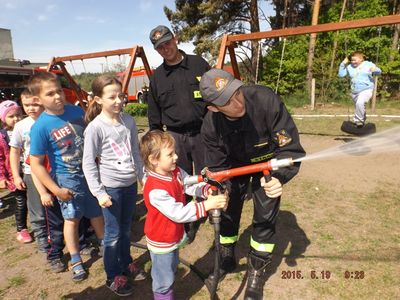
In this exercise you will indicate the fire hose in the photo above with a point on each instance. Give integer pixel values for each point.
(215, 179)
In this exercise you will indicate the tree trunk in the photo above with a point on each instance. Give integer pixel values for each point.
(311, 48)
(395, 39)
(335, 42)
(254, 27)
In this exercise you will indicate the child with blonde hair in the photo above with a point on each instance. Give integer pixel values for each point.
(164, 196)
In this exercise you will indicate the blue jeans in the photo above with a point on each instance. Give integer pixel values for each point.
(83, 202)
(117, 229)
(163, 269)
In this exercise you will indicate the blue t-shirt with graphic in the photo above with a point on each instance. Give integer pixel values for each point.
(61, 138)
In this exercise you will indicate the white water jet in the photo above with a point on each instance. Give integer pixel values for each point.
(385, 141)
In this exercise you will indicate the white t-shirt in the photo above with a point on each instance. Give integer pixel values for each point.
(20, 139)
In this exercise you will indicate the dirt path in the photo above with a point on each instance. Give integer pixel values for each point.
(338, 215)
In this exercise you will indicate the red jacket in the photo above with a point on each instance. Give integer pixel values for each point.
(5, 169)
(164, 197)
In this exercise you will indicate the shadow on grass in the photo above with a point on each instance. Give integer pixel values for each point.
(142, 290)
(288, 232)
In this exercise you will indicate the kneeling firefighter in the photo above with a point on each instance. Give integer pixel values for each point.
(247, 125)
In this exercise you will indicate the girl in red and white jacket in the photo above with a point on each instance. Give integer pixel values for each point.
(164, 196)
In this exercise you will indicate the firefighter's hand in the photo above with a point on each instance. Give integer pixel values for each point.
(273, 188)
(64, 194)
(104, 200)
(46, 199)
(19, 183)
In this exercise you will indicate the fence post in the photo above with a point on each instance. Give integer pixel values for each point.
(312, 93)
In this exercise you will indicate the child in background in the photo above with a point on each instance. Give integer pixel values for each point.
(112, 166)
(361, 73)
(164, 196)
(20, 144)
(10, 114)
(58, 133)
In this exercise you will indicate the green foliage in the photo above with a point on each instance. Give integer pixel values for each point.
(294, 65)
(297, 99)
(204, 23)
(85, 80)
(136, 109)
(374, 42)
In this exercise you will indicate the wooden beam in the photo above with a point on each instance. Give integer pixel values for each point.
(234, 63)
(222, 52)
(93, 55)
(129, 68)
(376, 21)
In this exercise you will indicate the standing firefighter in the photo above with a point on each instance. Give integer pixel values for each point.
(247, 125)
(175, 102)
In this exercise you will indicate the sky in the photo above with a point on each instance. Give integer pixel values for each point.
(42, 29)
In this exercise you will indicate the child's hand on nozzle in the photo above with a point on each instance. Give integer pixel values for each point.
(272, 188)
(105, 200)
(345, 60)
(216, 202)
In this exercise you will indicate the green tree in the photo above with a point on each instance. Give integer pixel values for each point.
(375, 42)
(204, 23)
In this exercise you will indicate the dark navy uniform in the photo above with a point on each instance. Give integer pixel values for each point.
(266, 131)
(175, 102)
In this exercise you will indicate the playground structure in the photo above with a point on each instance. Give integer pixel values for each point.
(229, 41)
(134, 53)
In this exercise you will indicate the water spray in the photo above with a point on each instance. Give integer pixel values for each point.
(385, 141)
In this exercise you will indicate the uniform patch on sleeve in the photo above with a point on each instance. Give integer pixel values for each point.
(282, 138)
(196, 94)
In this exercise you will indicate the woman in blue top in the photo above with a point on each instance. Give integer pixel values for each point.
(361, 73)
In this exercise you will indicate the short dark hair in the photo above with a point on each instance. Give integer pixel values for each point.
(36, 81)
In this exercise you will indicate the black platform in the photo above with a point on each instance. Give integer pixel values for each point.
(351, 128)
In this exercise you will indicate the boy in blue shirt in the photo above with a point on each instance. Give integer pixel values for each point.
(361, 73)
(58, 132)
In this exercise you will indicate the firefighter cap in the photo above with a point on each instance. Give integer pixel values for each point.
(217, 86)
(159, 35)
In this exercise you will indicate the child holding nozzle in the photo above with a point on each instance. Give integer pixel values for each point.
(164, 196)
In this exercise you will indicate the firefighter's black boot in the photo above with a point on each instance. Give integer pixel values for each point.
(257, 275)
(227, 262)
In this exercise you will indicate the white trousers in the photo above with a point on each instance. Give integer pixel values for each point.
(360, 100)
